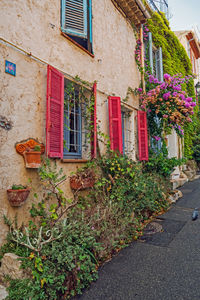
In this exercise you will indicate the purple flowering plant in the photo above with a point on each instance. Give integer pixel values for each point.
(138, 57)
(138, 48)
(168, 102)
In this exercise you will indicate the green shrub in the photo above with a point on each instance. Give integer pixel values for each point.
(196, 148)
(75, 236)
(160, 164)
(62, 269)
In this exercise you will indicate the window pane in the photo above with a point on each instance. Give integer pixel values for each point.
(126, 132)
(72, 122)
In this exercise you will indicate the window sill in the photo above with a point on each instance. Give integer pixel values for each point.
(75, 43)
(65, 160)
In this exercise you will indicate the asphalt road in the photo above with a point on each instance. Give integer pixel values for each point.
(161, 266)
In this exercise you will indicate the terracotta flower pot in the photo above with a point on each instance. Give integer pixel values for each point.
(32, 159)
(82, 181)
(17, 197)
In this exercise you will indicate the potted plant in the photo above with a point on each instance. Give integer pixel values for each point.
(18, 194)
(82, 180)
(33, 157)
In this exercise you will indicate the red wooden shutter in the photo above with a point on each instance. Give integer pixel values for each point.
(54, 112)
(94, 124)
(115, 123)
(142, 136)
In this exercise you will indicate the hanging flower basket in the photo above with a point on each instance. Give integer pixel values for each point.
(17, 197)
(82, 180)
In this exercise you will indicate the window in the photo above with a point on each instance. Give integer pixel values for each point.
(156, 145)
(121, 129)
(126, 132)
(72, 123)
(159, 64)
(155, 58)
(67, 120)
(76, 125)
(188, 49)
(76, 21)
(193, 60)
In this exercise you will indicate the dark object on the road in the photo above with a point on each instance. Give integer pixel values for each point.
(195, 214)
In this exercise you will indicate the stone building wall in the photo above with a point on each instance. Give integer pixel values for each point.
(33, 27)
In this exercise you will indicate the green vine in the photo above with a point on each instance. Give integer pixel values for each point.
(175, 61)
(128, 93)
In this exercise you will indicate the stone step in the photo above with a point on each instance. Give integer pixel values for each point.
(190, 174)
(175, 195)
(175, 183)
(182, 181)
(196, 177)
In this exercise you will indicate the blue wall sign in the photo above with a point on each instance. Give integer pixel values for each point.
(10, 68)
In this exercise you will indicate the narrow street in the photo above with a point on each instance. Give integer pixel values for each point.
(161, 266)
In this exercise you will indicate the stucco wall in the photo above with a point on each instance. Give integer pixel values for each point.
(35, 27)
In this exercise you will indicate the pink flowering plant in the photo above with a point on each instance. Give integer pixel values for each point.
(138, 57)
(167, 105)
(138, 49)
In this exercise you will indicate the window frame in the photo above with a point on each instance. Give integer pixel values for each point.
(66, 132)
(126, 119)
(84, 146)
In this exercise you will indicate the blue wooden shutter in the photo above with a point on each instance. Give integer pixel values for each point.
(159, 64)
(90, 19)
(150, 51)
(74, 17)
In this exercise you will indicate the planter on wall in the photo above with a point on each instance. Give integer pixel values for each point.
(32, 158)
(17, 197)
(82, 181)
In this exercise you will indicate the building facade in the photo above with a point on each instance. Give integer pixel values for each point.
(55, 58)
